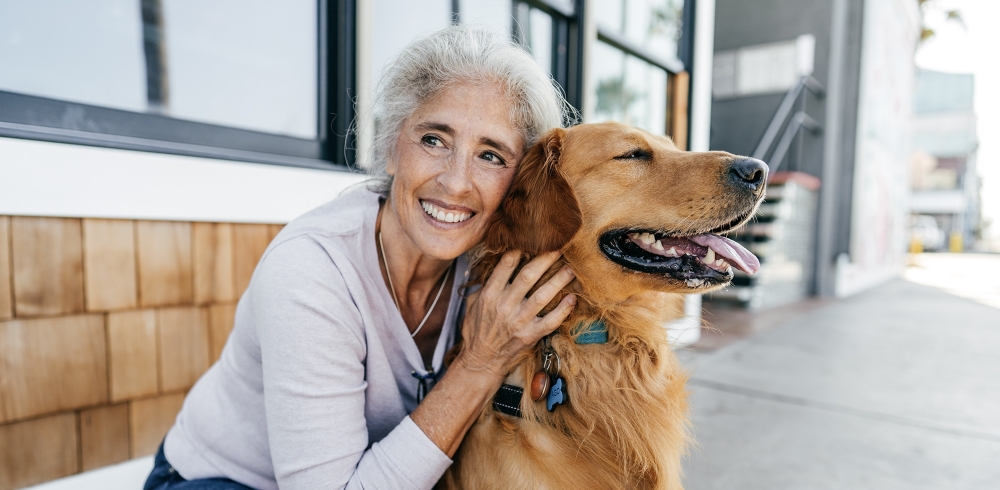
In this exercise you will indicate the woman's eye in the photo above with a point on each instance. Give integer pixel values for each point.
(431, 140)
(493, 159)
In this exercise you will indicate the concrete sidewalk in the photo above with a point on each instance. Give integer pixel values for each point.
(896, 388)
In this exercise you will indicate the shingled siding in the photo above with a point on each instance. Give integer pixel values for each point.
(104, 326)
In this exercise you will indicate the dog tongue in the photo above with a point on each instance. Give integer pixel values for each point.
(735, 253)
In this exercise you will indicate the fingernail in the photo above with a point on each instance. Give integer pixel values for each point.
(571, 273)
(572, 299)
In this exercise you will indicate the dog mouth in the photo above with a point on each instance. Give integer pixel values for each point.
(699, 260)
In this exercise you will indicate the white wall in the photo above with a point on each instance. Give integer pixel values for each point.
(52, 179)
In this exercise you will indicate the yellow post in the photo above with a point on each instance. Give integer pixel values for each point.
(955, 244)
(916, 246)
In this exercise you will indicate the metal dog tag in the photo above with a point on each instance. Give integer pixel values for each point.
(556, 394)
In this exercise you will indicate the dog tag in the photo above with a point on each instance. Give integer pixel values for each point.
(556, 395)
(539, 385)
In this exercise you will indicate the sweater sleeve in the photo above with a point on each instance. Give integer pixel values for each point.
(313, 359)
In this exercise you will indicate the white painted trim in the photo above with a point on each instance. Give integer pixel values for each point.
(701, 74)
(129, 475)
(688, 331)
(39, 178)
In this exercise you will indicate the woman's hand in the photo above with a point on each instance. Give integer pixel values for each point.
(501, 322)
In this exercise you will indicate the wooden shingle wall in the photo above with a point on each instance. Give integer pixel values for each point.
(104, 326)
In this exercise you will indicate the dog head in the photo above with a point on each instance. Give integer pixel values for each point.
(630, 211)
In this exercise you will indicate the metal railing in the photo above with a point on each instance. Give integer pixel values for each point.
(799, 120)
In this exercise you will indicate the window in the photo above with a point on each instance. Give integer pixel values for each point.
(548, 29)
(637, 68)
(275, 82)
(237, 79)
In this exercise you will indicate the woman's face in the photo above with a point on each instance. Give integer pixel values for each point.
(453, 162)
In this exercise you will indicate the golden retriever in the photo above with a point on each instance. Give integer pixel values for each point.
(634, 217)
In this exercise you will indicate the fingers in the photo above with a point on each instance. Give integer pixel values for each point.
(546, 324)
(544, 294)
(501, 273)
(531, 273)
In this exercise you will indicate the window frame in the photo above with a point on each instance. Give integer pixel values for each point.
(41, 118)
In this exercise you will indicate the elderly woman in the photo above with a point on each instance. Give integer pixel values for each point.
(348, 317)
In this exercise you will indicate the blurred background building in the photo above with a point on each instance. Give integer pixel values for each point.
(945, 202)
(150, 150)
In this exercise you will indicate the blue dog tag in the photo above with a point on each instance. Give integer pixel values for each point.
(556, 395)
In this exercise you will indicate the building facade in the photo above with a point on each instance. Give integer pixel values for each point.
(823, 88)
(943, 178)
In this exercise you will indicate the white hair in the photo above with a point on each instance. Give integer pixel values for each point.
(460, 54)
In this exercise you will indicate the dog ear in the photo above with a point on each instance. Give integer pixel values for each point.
(540, 212)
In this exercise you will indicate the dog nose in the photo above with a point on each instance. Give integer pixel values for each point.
(748, 171)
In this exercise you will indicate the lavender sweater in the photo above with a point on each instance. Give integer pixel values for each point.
(314, 386)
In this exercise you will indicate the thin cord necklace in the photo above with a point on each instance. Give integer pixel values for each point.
(393, 288)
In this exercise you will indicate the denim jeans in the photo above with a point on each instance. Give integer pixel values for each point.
(165, 477)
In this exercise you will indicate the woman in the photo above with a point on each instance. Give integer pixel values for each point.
(348, 316)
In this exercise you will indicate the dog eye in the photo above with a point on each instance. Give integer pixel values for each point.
(636, 154)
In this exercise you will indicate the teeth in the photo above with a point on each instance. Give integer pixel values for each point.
(647, 238)
(450, 217)
(657, 245)
(672, 252)
(719, 262)
(709, 257)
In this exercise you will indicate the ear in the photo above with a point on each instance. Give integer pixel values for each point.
(540, 212)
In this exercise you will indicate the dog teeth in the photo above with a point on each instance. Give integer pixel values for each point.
(647, 238)
(709, 258)
(719, 262)
(657, 245)
(672, 252)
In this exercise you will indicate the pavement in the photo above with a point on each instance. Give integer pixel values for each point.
(894, 388)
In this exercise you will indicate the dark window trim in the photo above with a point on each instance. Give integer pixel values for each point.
(40, 118)
(567, 46)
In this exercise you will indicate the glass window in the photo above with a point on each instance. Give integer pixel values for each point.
(654, 25)
(243, 63)
(494, 14)
(628, 90)
(249, 64)
(397, 22)
(534, 32)
(88, 52)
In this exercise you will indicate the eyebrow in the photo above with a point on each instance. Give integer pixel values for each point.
(496, 144)
(444, 128)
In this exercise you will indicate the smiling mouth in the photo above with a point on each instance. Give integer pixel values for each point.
(443, 215)
(698, 260)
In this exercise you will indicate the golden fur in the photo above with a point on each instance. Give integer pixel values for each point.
(625, 425)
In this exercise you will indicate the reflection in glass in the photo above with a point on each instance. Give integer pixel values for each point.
(397, 22)
(249, 64)
(652, 24)
(87, 52)
(628, 90)
(493, 14)
(243, 63)
(535, 34)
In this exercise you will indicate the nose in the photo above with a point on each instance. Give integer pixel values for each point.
(456, 178)
(748, 172)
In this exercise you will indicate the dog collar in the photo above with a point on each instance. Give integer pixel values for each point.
(594, 333)
(508, 398)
